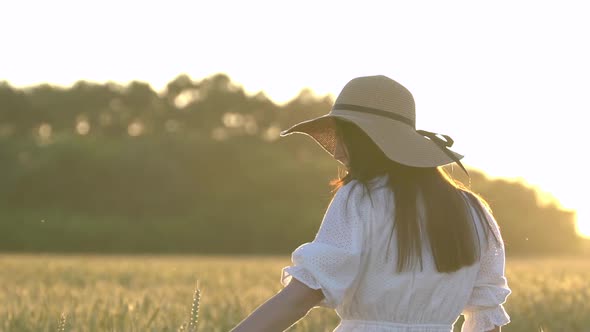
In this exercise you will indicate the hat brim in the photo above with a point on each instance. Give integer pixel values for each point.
(399, 141)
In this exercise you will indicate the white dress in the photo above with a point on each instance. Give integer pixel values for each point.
(346, 260)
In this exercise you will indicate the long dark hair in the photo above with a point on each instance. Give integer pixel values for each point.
(450, 227)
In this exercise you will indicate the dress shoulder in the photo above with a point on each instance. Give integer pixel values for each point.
(331, 261)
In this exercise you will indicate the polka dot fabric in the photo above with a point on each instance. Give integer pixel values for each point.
(331, 262)
(484, 310)
(346, 260)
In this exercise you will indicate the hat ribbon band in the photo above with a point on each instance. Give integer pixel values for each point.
(376, 111)
(443, 145)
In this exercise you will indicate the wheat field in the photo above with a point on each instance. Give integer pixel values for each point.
(155, 293)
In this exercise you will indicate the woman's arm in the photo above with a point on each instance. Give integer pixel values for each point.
(282, 310)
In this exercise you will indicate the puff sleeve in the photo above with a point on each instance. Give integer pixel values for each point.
(485, 309)
(331, 261)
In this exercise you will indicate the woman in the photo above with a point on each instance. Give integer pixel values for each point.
(401, 247)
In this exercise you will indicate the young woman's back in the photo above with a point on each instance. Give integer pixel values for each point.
(347, 260)
(363, 258)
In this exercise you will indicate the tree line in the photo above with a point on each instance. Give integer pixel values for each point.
(197, 168)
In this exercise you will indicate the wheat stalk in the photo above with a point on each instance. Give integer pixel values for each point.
(61, 326)
(192, 326)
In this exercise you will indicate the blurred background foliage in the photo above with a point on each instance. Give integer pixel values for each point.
(197, 168)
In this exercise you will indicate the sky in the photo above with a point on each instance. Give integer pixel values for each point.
(507, 80)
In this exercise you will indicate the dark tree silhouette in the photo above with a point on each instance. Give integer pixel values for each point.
(196, 168)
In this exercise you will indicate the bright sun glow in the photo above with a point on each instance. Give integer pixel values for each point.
(583, 224)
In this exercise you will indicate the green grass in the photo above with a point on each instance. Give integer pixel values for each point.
(149, 293)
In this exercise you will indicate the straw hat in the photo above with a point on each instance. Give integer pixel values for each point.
(385, 111)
